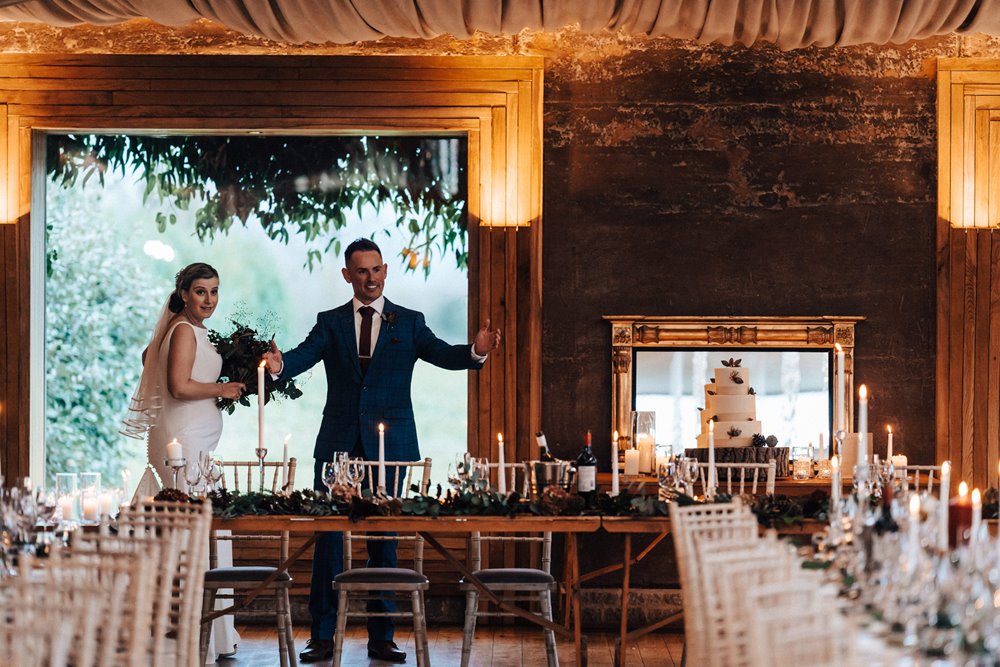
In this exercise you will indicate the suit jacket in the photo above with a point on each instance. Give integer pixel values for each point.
(356, 402)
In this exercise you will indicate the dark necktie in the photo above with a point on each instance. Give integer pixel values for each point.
(365, 339)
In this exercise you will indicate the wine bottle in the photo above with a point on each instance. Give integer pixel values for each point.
(586, 469)
(543, 448)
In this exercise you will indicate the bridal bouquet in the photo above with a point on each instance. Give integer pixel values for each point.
(241, 353)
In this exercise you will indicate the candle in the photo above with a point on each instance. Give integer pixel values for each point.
(888, 451)
(821, 450)
(710, 486)
(175, 451)
(614, 463)
(959, 516)
(126, 476)
(835, 484)
(841, 392)
(914, 530)
(943, 517)
(631, 462)
(67, 507)
(863, 425)
(284, 462)
(107, 501)
(261, 392)
(501, 467)
(977, 517)
(91, 508)
(899, 463)
(381, 457)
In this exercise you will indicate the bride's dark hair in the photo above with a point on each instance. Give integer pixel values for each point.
(186, 276)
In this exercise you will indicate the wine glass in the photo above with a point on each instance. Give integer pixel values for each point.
(192, 476)
(355, 471)
(331, 474)
(689, 474)
(215, 472)
(666, 474)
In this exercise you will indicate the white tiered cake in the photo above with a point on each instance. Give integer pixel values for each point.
(731, 403)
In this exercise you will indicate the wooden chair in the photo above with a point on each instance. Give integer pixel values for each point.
(231, 583)
(47, 626)
(514, 476)
(692, 526)
(177, 596)
(513, 584)
(914, 471)
(746, 475)
(368, 583)
(114, 564)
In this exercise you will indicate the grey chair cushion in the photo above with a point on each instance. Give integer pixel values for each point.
(380, 575)
(512, 575)
(228, 574)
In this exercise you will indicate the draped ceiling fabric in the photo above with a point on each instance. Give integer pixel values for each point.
(788, 23)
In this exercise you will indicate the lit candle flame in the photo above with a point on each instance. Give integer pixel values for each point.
(381, 427)
(888, 427)
(614, 436)
(977, 498)
(839, 348)
(500, 438)
(262, 364)
(863, 392)
(963, 490)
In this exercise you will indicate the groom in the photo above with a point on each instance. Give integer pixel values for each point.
(368, 347)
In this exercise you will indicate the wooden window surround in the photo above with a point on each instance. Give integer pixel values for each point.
(495, 101)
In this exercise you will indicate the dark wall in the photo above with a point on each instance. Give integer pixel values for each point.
(706, 180)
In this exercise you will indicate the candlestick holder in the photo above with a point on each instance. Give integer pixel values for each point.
(839, 436)
(261, 453)
(176, 465)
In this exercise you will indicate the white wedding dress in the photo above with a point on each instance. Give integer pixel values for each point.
(197, 425)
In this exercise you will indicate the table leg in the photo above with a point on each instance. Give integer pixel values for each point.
(573, 593)
(626, 580)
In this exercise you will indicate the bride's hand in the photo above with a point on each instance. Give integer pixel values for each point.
(232, 390)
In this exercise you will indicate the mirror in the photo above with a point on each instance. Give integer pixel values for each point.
(663, 364)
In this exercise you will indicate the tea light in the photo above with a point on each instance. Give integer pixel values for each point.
(824, 469)
(899, 462)
(802, 468)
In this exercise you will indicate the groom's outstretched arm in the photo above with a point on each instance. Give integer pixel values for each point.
(303, 357)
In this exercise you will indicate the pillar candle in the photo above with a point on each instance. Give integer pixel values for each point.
(67, 507)
(977, 517)
(107, 501)
(631, 462)
(710, 484)
(888, 449)
(899, 463)
(284, 462)
(841, 394)
(261, 391)
(959, 516)
(174, 450)
(863, 426)
(91, 508)
(821, 449)
(943, 516)
(501, 466)
(614, 463)
(381, 457)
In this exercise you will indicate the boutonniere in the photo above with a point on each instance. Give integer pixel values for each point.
(389, 318)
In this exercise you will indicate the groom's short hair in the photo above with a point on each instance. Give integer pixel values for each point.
(360, 245)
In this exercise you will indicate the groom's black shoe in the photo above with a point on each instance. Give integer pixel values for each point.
(316, 650)
(383, 649)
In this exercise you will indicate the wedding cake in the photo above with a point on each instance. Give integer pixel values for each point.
(731, 403)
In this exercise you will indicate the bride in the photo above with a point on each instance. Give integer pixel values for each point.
(177, 393)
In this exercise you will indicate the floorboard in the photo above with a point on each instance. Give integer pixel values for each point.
(495, 646)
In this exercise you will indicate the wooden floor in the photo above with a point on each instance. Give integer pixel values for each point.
(494, 647)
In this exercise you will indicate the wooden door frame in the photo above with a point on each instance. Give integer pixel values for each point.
(495, 101)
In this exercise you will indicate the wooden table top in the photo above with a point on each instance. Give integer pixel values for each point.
(422, 524)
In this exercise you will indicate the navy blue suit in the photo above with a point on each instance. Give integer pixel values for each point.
(356, 402)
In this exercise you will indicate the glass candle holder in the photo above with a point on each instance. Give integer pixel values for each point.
(68, 496)
(90, 507)
(90, 482)
(824, 469)
(802, 468)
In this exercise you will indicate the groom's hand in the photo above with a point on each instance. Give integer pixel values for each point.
(273, 359)
(486, 340)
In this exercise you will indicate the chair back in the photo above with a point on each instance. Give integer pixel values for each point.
(180, 573)
(541, 540)
(133, 562)
(933, 473)
(412, 473)
(245, 476)
(407, 473)
(747, 478)
(515, 476)
(692, 526)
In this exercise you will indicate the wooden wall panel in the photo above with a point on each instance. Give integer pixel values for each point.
(495, 101)
(968, 285)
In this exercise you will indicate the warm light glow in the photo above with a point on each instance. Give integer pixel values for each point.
(381, 427)
(946, 468)
(977, 498)
(839, 348)
(711, 426)
(863, 393)
(614, 436)
(915, 504)
(835, 463)
(262, 364)
(888, 428)
(963, 490)
(500, 438)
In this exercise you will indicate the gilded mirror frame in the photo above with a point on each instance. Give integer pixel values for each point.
(636, 332)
